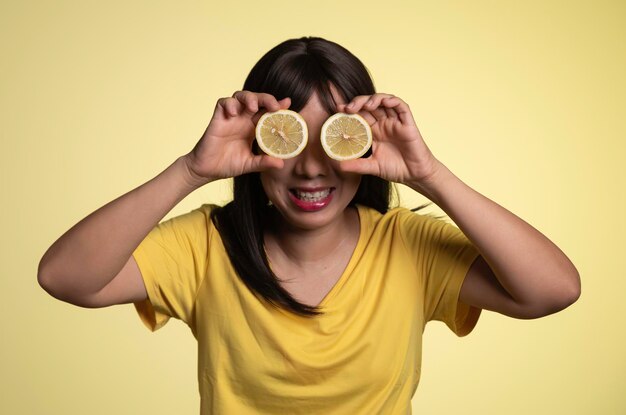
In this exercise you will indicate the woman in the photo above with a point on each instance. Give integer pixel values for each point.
(306, 293)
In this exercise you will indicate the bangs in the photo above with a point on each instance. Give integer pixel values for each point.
(296, 68)
(299, 67)
(298, 78)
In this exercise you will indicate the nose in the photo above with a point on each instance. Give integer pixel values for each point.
(313, 161)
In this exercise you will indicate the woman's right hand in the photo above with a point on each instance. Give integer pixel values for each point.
(225, 149)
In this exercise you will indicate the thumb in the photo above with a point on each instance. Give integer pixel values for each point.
(265, 162)
(360, 166)
(285, 103)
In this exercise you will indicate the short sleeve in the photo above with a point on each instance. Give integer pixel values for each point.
(172, 260)
(443, 256)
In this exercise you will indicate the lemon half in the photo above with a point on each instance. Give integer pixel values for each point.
(282, 133)
(346, 136)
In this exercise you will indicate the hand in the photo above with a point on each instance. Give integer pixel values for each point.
(399, 154)
(225, 149)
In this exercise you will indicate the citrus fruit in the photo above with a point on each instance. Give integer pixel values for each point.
(282, 133)
(346, 136)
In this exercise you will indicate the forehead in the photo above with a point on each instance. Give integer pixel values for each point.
(315, 104)
(314, 107)
(335, 93)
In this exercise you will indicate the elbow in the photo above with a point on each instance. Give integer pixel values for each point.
(574, 292)
(53, 285)
(44, 279)
(559, 300)
(566, 297)
(62, 291)
(570, 293)
(47, 281)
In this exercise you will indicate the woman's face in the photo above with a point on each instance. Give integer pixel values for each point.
(310, 192)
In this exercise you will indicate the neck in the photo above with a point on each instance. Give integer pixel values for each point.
(304, 246)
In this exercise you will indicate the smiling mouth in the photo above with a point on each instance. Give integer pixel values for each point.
(316, 196)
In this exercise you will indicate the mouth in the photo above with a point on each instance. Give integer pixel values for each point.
(311, 199)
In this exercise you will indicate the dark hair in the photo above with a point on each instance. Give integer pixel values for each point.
(295, 68)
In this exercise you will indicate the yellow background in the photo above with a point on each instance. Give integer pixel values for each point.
(525, 101)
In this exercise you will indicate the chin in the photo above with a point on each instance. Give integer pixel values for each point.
(311, 220)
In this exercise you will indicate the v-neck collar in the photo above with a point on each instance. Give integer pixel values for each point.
(356, 253)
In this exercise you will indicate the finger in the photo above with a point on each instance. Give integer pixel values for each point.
(391, 113)
(379, 114)
(371, 120)
(268, 102)
(256, 117)
(265, 162)
(353, 106)
(356, 104)
(248, 105)
(256, 100)
(285, 103)
(375, 101)
(224, 108)
(232, 107)
(402, 109)
(391, 101)
(360, 166)
(373, 105)
(248, 100)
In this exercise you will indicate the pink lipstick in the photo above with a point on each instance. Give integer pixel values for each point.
(311, 199)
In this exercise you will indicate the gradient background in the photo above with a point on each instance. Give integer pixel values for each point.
(525, 101)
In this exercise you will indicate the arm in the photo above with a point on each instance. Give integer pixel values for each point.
(520, 273)
(91, 265)
(80, 266)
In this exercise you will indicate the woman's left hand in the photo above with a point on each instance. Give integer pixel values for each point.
(399, 154)
(520, 273)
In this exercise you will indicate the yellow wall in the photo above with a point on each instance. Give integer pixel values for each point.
(522, 100)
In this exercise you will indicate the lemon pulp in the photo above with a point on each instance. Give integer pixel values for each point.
(281, 134)
(346, 136)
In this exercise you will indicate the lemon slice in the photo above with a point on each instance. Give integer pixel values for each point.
(282, 133)
(346, 136)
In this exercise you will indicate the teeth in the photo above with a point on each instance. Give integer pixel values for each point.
(312, 196)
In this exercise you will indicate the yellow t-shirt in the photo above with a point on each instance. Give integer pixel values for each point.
(363, 356)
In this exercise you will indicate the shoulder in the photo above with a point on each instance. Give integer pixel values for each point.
(195, 222)
(397, 224)
(204, 210)
(398, 218)
(413, 228)
(199, 214)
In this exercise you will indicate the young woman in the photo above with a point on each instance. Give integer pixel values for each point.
(307, 293)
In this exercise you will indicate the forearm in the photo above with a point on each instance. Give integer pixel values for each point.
(88, 256)
(528, 265)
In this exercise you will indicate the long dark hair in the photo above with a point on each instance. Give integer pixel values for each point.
(295, 68)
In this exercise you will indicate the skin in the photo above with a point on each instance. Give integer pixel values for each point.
(309, 250)
(520, 272)
(311, 170)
